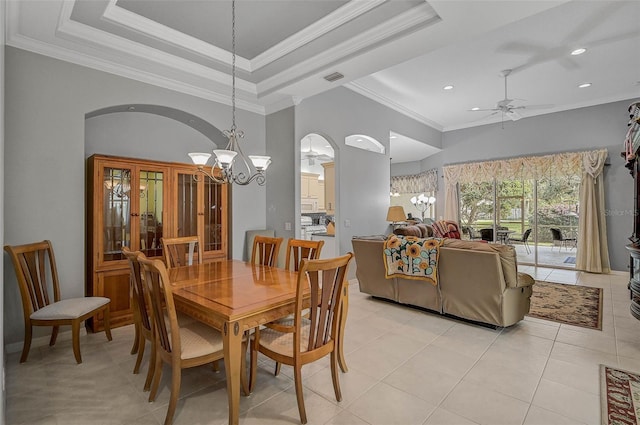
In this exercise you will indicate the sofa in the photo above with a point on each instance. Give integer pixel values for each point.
(477, 281)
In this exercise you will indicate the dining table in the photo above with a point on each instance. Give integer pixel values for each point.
(234, 297)
(503, 235)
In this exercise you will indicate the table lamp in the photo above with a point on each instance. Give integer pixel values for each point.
(395, 214)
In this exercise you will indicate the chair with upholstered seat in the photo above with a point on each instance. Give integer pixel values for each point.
(180, 346)
(141, 314)
(265, 250)
(311, 336)
(297, 250)
(181, 251)
(34, 264)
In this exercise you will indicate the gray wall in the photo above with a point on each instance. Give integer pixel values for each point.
(282, 181)
(143, 135)
(47, 100)
(362, 177)
(602, 126)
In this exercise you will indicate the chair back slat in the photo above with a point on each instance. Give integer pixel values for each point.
(325, 279)
(182, 251)
(161, 297)
(299, 249)
(35, 264)
(266, 250)
(141, 303)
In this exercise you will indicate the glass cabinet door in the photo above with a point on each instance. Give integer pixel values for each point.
(200, 210)
(151, 184)
(116, 212)
(214, 236)
(187, 205)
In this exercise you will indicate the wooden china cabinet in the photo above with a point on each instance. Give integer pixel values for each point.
(134, 203)
(632, 150)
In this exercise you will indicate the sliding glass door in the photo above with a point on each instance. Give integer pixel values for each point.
(538, 217)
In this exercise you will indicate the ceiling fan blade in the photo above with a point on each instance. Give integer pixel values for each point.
(486, 116)
(513, 116)
(483, 110)
(545, 106)
(324, 157)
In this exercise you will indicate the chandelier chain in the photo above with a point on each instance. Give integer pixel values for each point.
(233, 66)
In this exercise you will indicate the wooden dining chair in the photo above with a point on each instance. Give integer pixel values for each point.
(265, 250)
(34, 263)
(299, 249)
(190, 345)
(182, 251)
(311, 337)
(141, 305)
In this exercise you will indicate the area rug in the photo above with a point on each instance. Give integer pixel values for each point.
(619, 396)
(570, 260)
(570, 304)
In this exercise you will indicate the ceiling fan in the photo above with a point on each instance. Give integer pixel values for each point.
(312, 155)
(505, 106)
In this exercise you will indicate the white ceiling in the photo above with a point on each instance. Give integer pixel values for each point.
(397, 52)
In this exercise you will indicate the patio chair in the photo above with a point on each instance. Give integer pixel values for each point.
(561, 241)
(486, 235)
(524, 238)
(471, 232)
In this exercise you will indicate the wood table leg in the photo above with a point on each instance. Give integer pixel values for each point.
(343, 321)
(232, 341)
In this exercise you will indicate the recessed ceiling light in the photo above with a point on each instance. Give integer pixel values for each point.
(579, 51)
(475, 108)
(395, 137)
(449, 87)
(584, 85)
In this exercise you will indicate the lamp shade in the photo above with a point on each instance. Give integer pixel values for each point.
(225, 157)
(396, 213)
(199, 158)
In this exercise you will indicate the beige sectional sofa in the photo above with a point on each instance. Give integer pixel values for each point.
(476, 281)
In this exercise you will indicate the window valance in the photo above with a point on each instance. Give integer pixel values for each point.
(426, 181)
(528, 167)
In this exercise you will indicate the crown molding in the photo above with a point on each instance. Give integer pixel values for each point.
(84, 34)
(365, 91)
(56, 52)
(134, 22)
(338, 17)
(409, 20)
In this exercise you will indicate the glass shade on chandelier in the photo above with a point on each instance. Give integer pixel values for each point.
(423, 202)
(227, 160)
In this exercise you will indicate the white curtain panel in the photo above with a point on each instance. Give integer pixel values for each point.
(593, 250)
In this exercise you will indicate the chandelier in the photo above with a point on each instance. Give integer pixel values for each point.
(422, 203)
(226, 160)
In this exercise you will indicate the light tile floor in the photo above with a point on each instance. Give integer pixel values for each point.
(406, 367)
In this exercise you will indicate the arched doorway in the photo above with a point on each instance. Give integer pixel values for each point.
(318, 192)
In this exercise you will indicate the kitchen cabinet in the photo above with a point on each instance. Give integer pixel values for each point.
(134, 203)
(329, 187)
(309, 185)
(321, 207)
